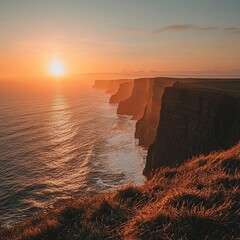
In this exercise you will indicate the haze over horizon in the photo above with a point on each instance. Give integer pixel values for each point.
(199, 38)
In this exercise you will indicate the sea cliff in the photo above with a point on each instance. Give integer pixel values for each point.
(195, 118)
(140, 99)
(135, 104)
(146, 126)
(178, 118)
(124, 91)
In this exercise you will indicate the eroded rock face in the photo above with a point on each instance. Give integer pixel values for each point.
(146, 127)
(111, 86)
(135, 104)
(193, 121)
(124, 92)
(194, 116)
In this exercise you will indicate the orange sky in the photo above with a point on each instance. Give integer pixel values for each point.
(130, 38)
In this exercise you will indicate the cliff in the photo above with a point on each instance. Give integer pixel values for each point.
(144, 105)
(197, 200)
(124, 92)
(111, 86)
(195, 116)
(195, 119)
(146, 127)
(136, 103)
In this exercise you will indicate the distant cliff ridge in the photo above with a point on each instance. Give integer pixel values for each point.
(136, 103)
(140, 99)
(124, 92)
(111, 86)
(181, 118)
(146, 126)
(195, 119)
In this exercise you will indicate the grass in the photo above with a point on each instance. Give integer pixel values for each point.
(197, 200)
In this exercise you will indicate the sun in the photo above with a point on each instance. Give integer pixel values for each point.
(57, 68)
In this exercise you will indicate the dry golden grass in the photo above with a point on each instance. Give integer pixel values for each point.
(197, 200)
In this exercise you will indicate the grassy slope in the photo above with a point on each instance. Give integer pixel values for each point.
(197, 200)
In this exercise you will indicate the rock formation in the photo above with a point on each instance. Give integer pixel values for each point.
(146, 127)
(124, 92)
(195, 119)
(194, 116)
(136, 103)
(144, 105)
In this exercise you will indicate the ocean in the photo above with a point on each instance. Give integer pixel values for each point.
(60, 146)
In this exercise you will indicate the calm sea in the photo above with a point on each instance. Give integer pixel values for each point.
(60, 146)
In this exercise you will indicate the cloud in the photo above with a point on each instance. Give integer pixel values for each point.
(184, 28)
(232, 29)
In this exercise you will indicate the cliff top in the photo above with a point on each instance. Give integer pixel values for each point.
(197, 200)
(224, 86)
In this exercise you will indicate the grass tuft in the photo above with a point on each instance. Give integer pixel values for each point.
(231, 166)
(129, 195)
(187, 200)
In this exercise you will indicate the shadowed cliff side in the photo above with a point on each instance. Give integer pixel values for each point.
(110, 86)
(124, 92)
(146, 127)
(195, 119)
(142, 99)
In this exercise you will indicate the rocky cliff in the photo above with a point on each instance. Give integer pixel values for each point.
(135, 104)
(195, 119)
(111, 86)
(144, 105)
(146, 127)
(124, 92)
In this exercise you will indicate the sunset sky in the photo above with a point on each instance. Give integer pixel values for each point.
(101, 36)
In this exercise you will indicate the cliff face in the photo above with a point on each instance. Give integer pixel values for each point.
(146, 127)
(193, 121)
(111, 86)
(124, 92)
(136, 103)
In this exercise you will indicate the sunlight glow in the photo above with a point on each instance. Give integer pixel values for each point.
(57, 68)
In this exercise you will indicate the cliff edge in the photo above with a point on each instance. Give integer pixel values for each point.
(124, 92)
(195, 118)
(146, 126)
(135, 104)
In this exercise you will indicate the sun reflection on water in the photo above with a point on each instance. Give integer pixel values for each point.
(61, 116)
(70, 171)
